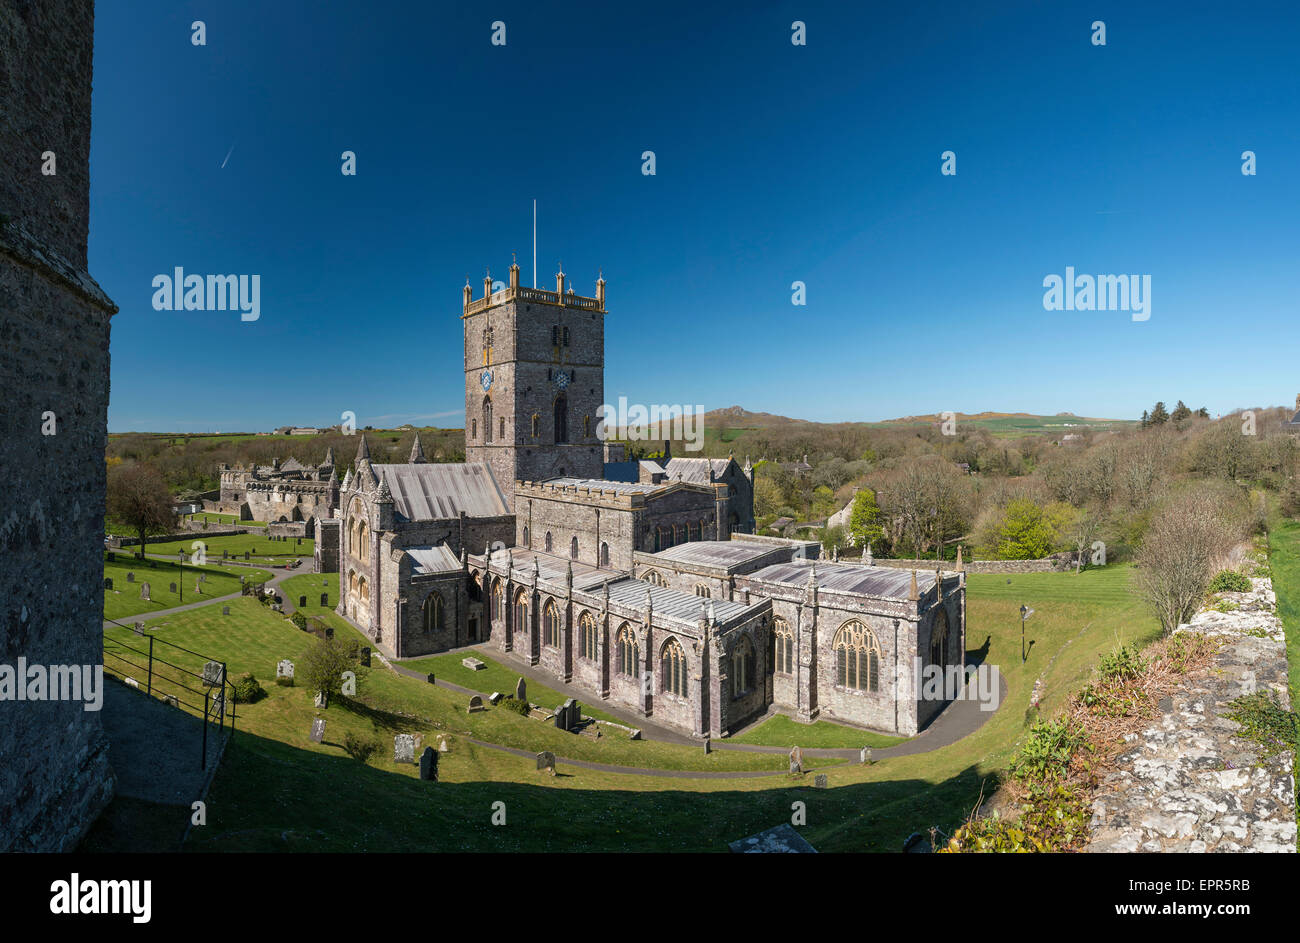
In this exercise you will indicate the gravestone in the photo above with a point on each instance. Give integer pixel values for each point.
(521, 690)
(171, 588)
(820, 780)
(203, 577)
(144, 592)
(198, 586)
(403, 748)
(132, 683)
(546, 760)
(302, 602)
(329, 631)
(108, 582)
(245, 554)
(318, 730)
(225, 610)
(225, 554)
(429, 765)
(284, 672)
(418, 739)
(171, 699)
(130, 577)
(322, 699)
(475, 704)
(218, 705)
(865, 755)
(708, 745)
(494, 697)
(473, 664)
(430, 678)
(324, 599)
(365, 656)
(796, 760)
(442, 746)
(212, 674)
(635, 734)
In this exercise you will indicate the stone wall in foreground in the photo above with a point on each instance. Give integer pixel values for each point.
(1189, 782)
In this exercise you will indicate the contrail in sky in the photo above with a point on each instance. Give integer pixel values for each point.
(228, 153)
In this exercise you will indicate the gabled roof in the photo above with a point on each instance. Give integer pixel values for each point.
(431, 492)
(696, 469)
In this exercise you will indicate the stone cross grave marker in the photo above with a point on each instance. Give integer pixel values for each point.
(212, 674)
(403, 748)
(318, 730)
(475, 704)
(429, 765)
(546, 760)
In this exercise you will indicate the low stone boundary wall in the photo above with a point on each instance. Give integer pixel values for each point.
(116, 543)
(1189, 782)
(1054, 564)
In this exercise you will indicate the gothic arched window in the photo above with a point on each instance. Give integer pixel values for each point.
(550, 625)
(742, 667)
(939, 639)
(573, 548)
(672, 668)
(587, 644)
(433, 613)
(487, 419)
(857, 657)
(784, 647)
(604, 553)
(561, 419)
(629, 653)
(521, 611)
(702, 589)
(548, 541)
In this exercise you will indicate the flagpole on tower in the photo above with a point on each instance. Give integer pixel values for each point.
(534, 243)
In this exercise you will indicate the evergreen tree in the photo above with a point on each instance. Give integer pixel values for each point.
(1159, 415)
(1146, 419)
(1181, 413)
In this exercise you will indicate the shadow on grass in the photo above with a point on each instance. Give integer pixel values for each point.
(269, 796)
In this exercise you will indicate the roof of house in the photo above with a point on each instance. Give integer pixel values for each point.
(696, 469)
(719, 553)
(440, 491)
(433, 559)
(884, 581)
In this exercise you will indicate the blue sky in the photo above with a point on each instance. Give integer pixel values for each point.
(775, 163)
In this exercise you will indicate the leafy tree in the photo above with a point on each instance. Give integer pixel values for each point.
(823, 502)
(138, 498)
(865, 521)
(325, 662)
(767, 497)
(1026, 533)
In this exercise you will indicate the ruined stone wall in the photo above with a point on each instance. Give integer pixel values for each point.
(54, 334)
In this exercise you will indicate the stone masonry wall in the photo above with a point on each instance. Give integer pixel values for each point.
(1189, 782)
(54, 332)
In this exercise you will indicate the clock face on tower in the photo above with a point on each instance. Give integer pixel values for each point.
(485, 380)
(561, 380)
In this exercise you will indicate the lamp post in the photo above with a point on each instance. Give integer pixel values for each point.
(180, 577)
(1025, 613)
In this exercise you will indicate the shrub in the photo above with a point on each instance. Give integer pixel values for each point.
(360, 749)
(248, 689)
(1124, 662)
(299, 620)
(1230, 581)
(1048, 750)
(511, 703)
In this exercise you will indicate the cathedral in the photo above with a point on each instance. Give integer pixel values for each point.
(641, 583)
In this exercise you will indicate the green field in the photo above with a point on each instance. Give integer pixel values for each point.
(264, 549)
(212, 517)
(1284, 563)
(123, 600)
(781, 731)
(260, 797)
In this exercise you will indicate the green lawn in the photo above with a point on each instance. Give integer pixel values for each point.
(781, 731)
(260, 798)
(263, 549)
(123, 600)
(212, 517)
(1284, 563)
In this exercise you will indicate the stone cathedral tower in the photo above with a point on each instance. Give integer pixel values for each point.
(534, 381)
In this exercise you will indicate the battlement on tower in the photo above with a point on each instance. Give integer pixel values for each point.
(516, 292)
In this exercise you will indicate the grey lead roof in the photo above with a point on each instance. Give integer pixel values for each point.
(720, 553)
(430, 492)
(553, 569)
(672, 603)
(433, 559)
(598, 484)
(889, 582)
(696, 469)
